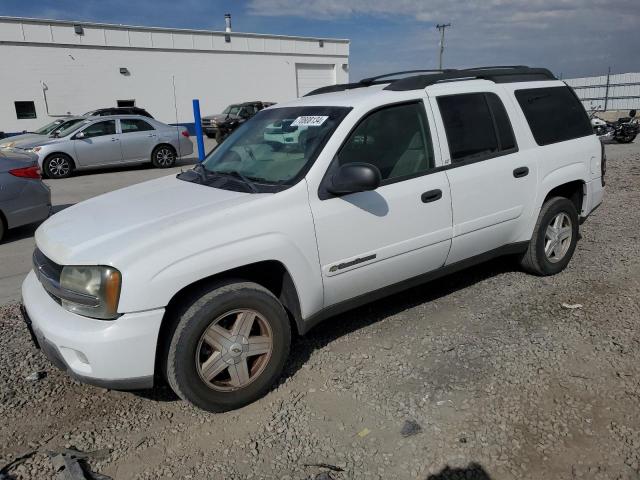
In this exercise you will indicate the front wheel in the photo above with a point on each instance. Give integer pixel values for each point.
(58, 165)
(163, 156)
(229, 346)
(554, 239)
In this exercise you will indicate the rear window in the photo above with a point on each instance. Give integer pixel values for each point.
(554, 114)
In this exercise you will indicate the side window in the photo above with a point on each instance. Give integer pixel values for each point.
(395, 139)
(129, 125)
(469, 126)
(477, 126)
(503, 125)
(99, 129)
(554, 114)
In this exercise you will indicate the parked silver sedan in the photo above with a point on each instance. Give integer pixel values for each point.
(24, 198)
(116, 140)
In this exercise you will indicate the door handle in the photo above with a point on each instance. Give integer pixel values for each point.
(431, 196)
(521, 172)
(114, 139)
(151, 135)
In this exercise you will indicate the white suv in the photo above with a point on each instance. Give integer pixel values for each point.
(202, 278)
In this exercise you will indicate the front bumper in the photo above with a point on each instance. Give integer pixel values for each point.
(118, 354)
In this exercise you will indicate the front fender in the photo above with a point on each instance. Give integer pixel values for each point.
(160, 285)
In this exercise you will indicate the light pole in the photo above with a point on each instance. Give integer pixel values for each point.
(442, 27)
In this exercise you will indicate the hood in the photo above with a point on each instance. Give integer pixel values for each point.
(17, 140)
(40, 141)
(127, 222)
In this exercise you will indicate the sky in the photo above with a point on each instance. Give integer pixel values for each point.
(571, 37)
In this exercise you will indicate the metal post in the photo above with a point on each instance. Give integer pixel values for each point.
(198, 121)
(442, 27)
(606, 92)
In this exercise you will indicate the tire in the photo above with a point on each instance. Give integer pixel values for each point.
(548, 254)
(626, 139)
(163, 156)
(209, 135)
(220, 385)
(3, 228)
(57, 165)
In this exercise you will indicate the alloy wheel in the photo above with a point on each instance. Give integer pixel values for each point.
(164, 157)
(58, 167)
(557, 238)
(234, 350)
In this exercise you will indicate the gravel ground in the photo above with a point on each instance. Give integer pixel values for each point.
(501, 380)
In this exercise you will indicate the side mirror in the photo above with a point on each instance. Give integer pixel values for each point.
(80, 135)
(632, 113)
(354, 177)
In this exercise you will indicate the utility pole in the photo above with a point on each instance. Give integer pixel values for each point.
(442, 27)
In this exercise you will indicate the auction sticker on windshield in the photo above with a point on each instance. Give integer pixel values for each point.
(309, 121)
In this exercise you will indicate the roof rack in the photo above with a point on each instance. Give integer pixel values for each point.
(495, 73)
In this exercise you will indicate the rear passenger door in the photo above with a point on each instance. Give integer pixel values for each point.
(137, 139)
(492, 183)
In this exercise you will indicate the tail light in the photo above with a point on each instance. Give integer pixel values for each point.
(603, 163)
(185, 133)
(26, 172)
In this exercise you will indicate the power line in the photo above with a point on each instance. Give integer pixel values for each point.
(442, 27)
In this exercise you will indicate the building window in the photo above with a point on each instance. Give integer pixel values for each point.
(126, 103)
(25, 110)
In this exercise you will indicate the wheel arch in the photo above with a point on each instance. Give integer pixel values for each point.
(574, 190)
(271, 274)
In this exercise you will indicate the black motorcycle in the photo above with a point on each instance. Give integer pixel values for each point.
(623, 130)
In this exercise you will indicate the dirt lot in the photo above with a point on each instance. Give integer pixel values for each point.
(504, 381)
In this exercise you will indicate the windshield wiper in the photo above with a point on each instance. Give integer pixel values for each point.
(237, 174)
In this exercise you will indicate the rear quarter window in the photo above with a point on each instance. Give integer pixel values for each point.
(554, 114)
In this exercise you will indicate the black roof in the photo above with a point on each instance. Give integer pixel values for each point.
(497, 74)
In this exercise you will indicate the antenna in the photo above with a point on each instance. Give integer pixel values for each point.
(442, 27)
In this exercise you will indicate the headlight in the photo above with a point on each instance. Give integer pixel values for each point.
(34, 149)
(7, 145)
(92, 291)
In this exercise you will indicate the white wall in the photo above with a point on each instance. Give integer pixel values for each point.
(82, 72)
(620, 85)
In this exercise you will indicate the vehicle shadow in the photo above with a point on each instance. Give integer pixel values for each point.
(361, 317)
(473, 472)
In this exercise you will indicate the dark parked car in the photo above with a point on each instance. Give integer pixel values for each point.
(24, 198)
(103, 112)
(220, 126)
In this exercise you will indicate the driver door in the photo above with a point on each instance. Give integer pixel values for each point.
(100, 144)
(374, 239)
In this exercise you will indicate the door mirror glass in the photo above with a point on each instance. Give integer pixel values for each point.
(354, 177)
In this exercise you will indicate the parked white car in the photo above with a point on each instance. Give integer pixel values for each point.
(203, 278)
(116, 140)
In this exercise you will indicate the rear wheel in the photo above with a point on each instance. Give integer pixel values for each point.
(58, 165)
(229, 346)
(554, 238)
(163, 156)
(3, 228)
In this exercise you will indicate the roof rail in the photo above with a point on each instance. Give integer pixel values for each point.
(495, 73)
(500, 74)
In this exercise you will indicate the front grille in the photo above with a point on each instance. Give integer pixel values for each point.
(206, 123)
(48, 273)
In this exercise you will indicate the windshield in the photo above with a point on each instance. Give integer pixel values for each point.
(231, 110)
(69, 128)
(275, 145)
(49, 127)
(65, 125)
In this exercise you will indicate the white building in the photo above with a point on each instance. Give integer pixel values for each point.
(52, 68)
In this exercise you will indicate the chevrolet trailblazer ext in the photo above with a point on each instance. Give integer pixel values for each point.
(392, 181)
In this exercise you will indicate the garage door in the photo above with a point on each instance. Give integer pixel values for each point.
(311, 76)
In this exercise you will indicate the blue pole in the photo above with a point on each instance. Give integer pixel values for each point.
(198, 121)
